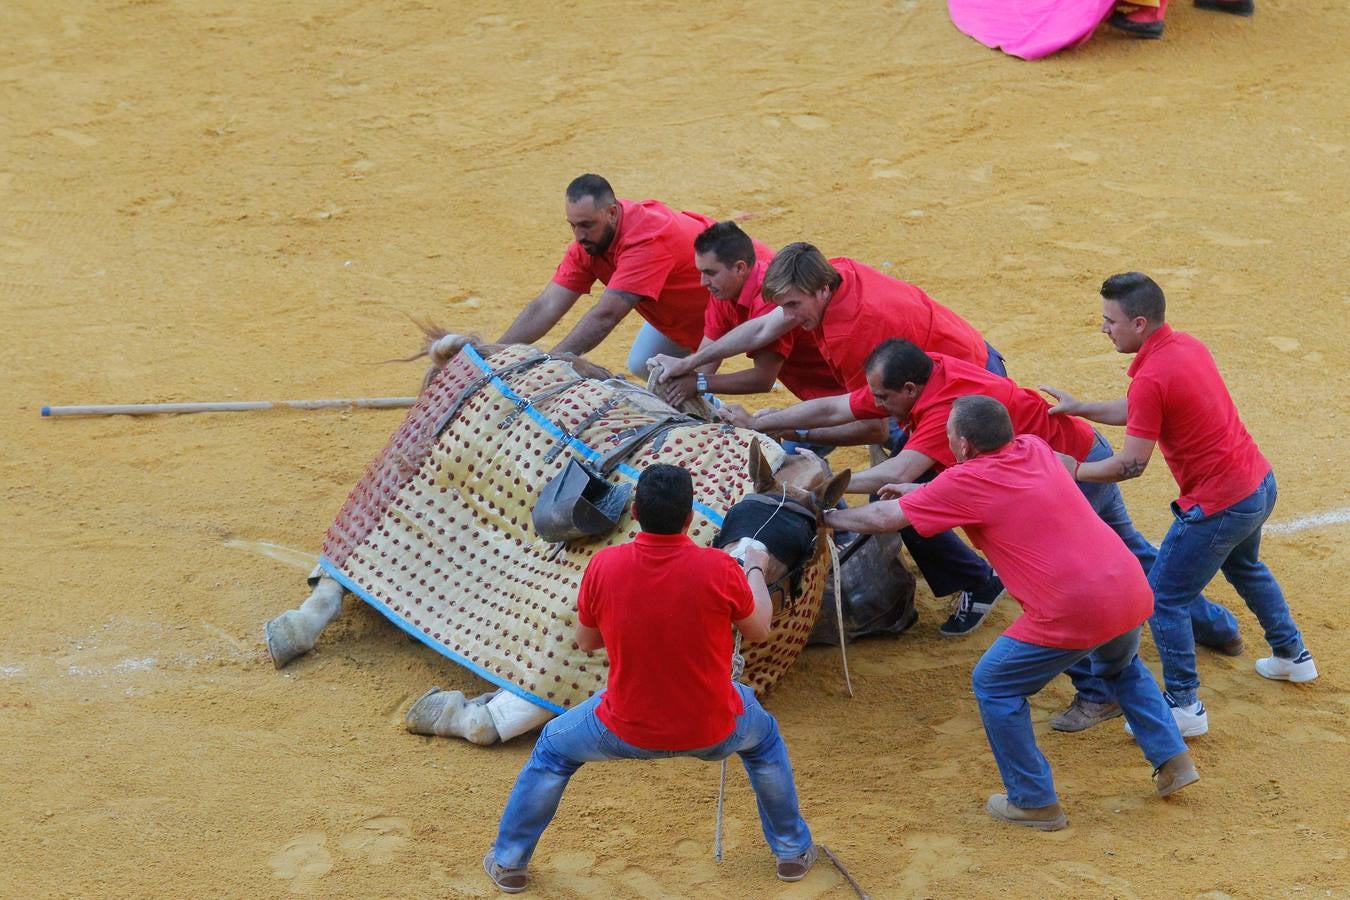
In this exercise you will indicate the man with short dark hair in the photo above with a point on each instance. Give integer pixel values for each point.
(1082, 597)
(1178, 402)
(642, 251)
(663, 608)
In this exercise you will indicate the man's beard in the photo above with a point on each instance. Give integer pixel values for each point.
(599, 247)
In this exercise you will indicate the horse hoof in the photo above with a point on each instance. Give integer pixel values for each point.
(284, 642)
(427, 715)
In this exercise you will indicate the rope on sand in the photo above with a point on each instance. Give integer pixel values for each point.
(153, 409)
(852, 882)
(839, 607)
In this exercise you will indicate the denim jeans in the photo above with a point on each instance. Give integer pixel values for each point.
(1196, 548)
(995, 363)
(1211, 623)
(578, 736)
(1012, 670)
(648, 343)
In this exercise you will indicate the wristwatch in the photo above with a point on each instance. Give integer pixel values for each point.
(701, 382)
(802, 433)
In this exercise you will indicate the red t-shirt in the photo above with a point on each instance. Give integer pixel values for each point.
(1078, 583)
(952, 378)
(869, 307)
(1177, 397)
(665, 607)
(805, 372)
(652, 255)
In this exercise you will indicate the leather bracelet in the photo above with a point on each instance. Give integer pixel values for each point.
(759, 569)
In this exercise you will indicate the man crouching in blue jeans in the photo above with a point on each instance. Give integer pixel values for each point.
(663, 607)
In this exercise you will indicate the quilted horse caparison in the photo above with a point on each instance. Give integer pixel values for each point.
(437, 534)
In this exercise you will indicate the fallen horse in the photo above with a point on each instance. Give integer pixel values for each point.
(442, 534)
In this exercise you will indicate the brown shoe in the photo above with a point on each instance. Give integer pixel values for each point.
(1175, 774)
(508, 881)
(796, 867)
(1042, 818)
(1083, 714)
(1235, 647)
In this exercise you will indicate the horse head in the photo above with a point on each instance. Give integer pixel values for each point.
(783, 513)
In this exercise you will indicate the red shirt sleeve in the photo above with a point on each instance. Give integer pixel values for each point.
(586, 596)
(575, 272)
(1144, 409)
(930, 437)
(942, 504)
(861, 404)
(643, 270)
(740, 598)
(719, 317)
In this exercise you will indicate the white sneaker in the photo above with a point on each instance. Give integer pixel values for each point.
(1191, 722)
(1297, 670)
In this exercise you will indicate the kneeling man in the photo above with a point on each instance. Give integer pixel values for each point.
(663, 607)
(1083, 595)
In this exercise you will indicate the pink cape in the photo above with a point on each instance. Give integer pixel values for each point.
(1029, 29)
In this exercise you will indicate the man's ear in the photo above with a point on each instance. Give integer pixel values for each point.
(761, 474)
(834, 489)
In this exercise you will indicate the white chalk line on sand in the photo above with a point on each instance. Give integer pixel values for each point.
(1303, 523)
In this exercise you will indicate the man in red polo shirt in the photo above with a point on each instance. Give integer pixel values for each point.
(1178, 402)
(848, 307)
(919, 389)
(643, 252)
(1082, 597)
(732, 267)
(669, 691)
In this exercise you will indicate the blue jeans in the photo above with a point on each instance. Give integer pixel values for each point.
(1012, 670)
(647, 344)
(1196, 548)
(995, 362)
(1211, 623)
(578, 736)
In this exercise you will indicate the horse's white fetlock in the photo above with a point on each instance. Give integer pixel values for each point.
(447, 714)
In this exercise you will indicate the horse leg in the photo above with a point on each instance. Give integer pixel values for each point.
(484, 720)
(439, 713)
(294, 632)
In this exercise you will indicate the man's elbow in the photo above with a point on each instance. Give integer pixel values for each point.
(756, 629)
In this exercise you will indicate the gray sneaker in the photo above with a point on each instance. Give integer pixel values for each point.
(1083, 714)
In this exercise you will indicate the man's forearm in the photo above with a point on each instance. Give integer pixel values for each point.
(1120, 467)
(538, 316)
(873, 518)
(597, 324)
(1106, 412)
(854, 434)
(747, 336)
(905, 467)
(818, 413)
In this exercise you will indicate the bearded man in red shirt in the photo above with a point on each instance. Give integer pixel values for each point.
(643, 253)
(663, 608)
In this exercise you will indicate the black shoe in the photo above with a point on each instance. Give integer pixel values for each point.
(1122, 21)
(971, 608)
(1235, 7)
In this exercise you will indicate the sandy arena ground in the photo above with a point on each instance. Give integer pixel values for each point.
(247, 200)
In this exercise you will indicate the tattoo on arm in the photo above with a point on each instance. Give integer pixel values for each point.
(1132, 468)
